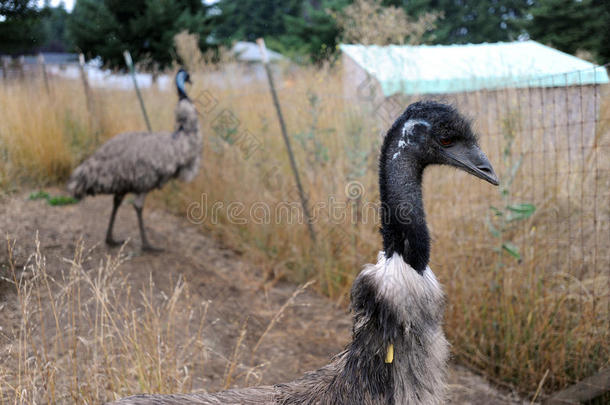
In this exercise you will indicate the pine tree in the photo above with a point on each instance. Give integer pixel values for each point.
(20, 30)
(571, 25)
(603, 48)
(247, 20)
(54, 24)
(146, 28)
(473, 21)
(314, 34)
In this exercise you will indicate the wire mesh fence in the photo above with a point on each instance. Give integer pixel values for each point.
(534, 255)
(551, 144)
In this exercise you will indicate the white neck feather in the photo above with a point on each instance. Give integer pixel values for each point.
(421, 353)
(400, 285)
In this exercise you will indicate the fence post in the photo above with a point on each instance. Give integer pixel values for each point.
(132, 69)
(5, 63)
(20, 63)
(43, 68)
(88, 95)
(293, 164)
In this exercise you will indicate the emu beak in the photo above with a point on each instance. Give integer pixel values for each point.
(472, 160)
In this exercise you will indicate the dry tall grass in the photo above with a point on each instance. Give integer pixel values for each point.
(511, 320)
(87, 337)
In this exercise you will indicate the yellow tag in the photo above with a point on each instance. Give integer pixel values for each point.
(389, 356)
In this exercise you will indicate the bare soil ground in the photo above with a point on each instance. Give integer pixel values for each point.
(310, 331)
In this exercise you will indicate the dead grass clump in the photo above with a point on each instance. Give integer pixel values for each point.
(89, 334)
(88, 337)
(32, 135)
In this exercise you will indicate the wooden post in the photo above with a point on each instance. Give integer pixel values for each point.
(293, 164)
(85, 80)
(5, 64)
(43, 68)
(20, 62)
(88, 95)
(132, 69)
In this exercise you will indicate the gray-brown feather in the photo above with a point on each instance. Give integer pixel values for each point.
(137, 162)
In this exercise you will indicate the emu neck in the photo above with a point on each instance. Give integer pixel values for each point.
(186, 117)
(394, 305)
(182, 94)
(403, 222)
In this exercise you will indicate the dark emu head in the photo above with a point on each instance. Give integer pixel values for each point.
(427, 133)
(182, 77)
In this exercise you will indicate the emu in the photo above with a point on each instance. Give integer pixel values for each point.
(398, 351)
(138, 162)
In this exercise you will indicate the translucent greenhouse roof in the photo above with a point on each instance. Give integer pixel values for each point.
(444, 69)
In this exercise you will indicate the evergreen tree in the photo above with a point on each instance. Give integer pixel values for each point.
(54, 25)
(571, 25)
(20, 30)
(247, 20)
(314, 34)
(146, 28)
(603, 49)
(471, 21)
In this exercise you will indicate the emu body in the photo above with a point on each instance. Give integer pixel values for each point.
(138, 162)
(397, 303)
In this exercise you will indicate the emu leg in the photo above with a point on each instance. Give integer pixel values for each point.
(110, 241)
(138, 204)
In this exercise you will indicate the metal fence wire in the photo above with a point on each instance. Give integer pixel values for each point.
(549, 141)
(556, 141)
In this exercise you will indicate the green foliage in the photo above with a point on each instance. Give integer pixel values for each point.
(505, 218)
(56, 200)
(247, 20)
(603, 51)
(471, 21)
(39, 195)
(92, 27)
(61, 200)
(20, 29)
(315, 33)
(316, 151)
(309, 30)
(518, 212)
(572, 25)
(54, 23)
(145, 27)
(303, 30)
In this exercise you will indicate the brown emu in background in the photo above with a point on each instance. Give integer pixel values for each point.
(138, 162)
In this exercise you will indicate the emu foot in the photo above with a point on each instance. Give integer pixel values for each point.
(114, 243)
(147, 247)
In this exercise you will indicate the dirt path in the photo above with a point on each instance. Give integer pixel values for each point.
(310, 331)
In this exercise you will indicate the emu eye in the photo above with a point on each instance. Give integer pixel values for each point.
(446, 141)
